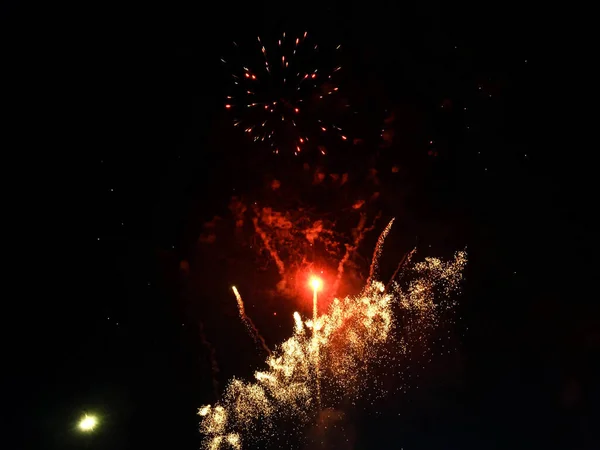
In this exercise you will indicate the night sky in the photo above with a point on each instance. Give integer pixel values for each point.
(140, 154)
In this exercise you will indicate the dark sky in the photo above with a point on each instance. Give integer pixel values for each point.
(135, 154)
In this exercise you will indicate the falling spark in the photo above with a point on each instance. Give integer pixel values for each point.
(267, 243)
(405, 259)
(264, 80)
(360, 231)
(334, 362)
(249, 324)
(377, 254)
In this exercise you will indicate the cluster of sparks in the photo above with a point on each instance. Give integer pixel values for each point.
(331, 357)
(278, 92)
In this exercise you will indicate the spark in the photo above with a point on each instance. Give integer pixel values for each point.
(249, 324)
(336, 361)
(285, 81)
(377, 254)
(359, 232)
(88, 423)
(316, 283)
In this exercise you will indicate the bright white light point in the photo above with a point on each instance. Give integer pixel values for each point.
(316, 283)
(88, 423)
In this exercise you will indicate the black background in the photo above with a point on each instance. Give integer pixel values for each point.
(129, 98)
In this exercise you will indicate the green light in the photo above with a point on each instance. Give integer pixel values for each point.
(88, 423)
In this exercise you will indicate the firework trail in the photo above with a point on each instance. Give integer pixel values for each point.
(271, 250)
(377, 253)
(405, 259)
(360, 232)
(248, 321)
(355, 336)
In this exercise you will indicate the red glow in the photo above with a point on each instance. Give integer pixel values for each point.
(316, 283)
(314, 75)
(227, 106)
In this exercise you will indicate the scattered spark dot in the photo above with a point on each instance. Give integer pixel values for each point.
(287, 81)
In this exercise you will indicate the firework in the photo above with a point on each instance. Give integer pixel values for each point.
(284, 93)
(251, 327)
(332, 357)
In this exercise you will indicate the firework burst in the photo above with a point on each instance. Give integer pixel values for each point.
(284, 93)
(332, 358)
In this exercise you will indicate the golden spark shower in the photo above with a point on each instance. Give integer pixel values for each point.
(334, 357)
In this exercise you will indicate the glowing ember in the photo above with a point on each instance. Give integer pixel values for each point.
(316, 283)
(88, 423)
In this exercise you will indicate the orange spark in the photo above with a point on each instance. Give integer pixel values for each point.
(316, 283)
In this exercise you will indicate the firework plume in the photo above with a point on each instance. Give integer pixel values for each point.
(331, 357)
